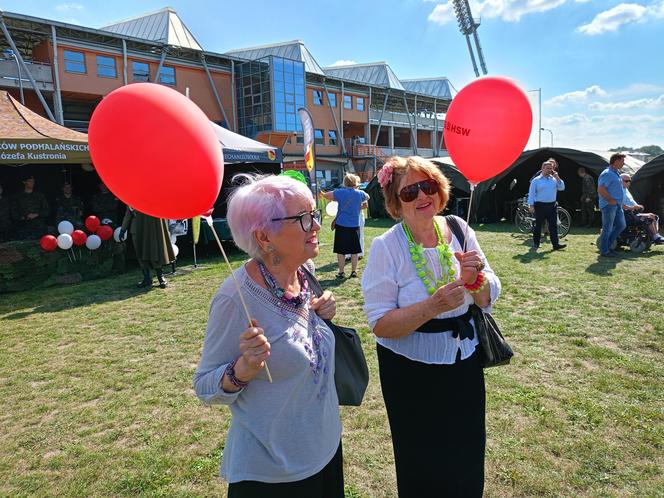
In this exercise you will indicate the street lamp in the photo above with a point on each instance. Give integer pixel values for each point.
(10, 53)
(546, 129)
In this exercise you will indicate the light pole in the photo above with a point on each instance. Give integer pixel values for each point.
(18, 66)
(546, 129)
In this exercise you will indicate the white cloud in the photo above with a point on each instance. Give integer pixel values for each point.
(625, 13)
(343, 62)
(68, 7)
(508, 10)
(577, 96)
(630, 104)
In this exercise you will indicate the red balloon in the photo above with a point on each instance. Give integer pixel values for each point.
(48, 243)
(208, 212)
(79, 237)
(487, 126)
(92, 223)
(156, 151)
(105, 232)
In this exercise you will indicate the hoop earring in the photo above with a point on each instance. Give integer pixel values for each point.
(276, 260)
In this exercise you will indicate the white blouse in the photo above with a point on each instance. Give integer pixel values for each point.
(390, 281)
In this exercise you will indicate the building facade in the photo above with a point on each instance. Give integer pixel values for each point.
(361, 113)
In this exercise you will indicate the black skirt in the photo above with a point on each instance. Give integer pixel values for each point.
(347, 240)
(436, 415)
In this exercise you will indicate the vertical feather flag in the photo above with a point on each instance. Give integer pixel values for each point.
(196, 228)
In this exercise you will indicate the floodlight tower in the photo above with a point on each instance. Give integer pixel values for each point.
(468, 26)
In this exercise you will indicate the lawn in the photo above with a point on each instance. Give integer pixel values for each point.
(95, 381)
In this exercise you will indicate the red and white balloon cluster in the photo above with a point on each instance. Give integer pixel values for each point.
(69, 237)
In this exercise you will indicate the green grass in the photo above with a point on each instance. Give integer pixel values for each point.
(95, 381)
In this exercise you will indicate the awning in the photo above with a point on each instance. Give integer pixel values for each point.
(28, 138)
(240, 149)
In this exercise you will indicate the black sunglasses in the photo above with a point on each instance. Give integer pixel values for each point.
(410, 192)
(306, 219)
(627, 181)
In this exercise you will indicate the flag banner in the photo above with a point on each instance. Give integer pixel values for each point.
(308, 132)
(196, 228)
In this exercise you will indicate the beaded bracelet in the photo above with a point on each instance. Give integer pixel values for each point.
(478, 285)
(230, 375)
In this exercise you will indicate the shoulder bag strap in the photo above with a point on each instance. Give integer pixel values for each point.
(456, 228)
(313, 281)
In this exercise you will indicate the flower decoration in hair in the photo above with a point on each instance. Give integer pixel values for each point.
(385, 174)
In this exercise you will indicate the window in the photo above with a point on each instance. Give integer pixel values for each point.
(74, 61)
(140, 71)
(359, 103)
(332, 137)
(332, 98)
(348, 102)
(300, 139)
(167, 75)
(106, 67)
(317, 97)
(318, 137)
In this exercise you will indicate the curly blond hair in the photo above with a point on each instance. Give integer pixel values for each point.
(401, 167)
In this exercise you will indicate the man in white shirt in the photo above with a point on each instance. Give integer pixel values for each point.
(634, 212)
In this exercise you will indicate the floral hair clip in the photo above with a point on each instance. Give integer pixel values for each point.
(385, 174)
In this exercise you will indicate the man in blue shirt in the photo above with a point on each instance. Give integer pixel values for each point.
(542, 201)
(634, 214)
(610, 190)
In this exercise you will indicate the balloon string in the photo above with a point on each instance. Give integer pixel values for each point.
(208, 219)
(470, 204)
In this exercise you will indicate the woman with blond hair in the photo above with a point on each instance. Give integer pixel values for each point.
(418, 286)
(351, 201)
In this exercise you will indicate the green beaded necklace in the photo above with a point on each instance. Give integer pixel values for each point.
(444, 257)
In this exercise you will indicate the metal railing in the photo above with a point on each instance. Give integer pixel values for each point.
(9, 75)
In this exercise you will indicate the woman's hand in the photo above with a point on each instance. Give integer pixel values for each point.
(325, 306)
(448, 297)
(471, 264)
(254, 350)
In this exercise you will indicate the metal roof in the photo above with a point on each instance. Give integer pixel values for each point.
(294, 50)
(373, 73)
(163, 26)
(434, 87)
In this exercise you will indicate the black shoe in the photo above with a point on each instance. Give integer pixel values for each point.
(144, 283)
(535, 246)
(608, 255)
(559, 247)
(353, 274)
(341, 275)
(163, 283)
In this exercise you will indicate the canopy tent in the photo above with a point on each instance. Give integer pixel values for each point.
(497, 197)
(648, 185)
(240, 149)
(28, 138)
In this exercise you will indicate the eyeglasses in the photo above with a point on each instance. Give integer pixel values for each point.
(410, 192)
(306, 219)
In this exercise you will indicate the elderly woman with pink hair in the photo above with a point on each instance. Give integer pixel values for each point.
(285, 435)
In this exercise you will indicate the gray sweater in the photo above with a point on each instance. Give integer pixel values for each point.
(283, 431)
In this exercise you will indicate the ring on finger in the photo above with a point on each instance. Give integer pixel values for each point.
(480, 265)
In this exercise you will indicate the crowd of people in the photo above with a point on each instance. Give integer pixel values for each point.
(28, 215)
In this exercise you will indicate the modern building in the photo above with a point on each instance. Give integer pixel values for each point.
(362, 113)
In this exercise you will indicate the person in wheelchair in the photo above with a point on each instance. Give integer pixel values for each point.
(634, 215)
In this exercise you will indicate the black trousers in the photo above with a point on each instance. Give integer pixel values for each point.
(328, 483)
(545, 211)
(587, 212)
(436, 415)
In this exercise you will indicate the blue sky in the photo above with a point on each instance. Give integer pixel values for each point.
(599, 63)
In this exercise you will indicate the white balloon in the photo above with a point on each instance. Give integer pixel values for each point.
(332, 208)
(116, 235)
(176, 250)
(65, 227)
(65, 241)
(93, 242)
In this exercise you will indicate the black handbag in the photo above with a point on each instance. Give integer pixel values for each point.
(493, 346)
(351, 374)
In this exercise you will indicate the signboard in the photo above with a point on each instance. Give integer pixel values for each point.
(20, 151)
(242, 156)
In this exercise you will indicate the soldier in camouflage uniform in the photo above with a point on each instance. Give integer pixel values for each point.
(29, 211)
(151, 242)
(70, 207)
(588, 198)
(105, 205)
(5, 218)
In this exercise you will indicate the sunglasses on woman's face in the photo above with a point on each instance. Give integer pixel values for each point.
(410, 192)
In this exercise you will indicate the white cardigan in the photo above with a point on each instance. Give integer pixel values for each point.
(389, 281)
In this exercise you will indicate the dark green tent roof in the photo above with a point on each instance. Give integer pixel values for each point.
(648, 185)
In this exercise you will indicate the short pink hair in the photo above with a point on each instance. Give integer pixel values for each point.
(253, 205)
